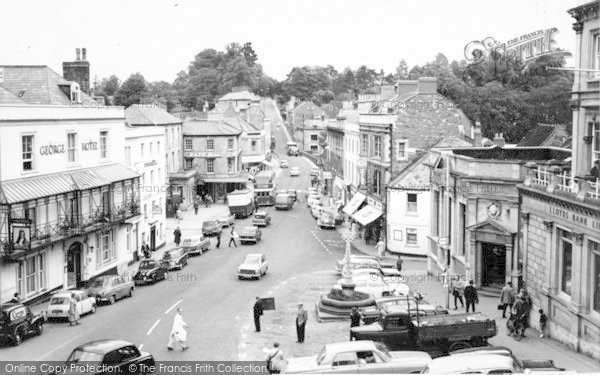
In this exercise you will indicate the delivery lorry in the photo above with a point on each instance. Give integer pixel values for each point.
(241, 203)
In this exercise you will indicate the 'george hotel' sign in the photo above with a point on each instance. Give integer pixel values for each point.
(573, 217)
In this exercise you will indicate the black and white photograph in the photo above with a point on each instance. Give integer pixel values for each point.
(299, 186)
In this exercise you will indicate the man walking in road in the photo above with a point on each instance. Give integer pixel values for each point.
(506, 297)
(301, 318)
(399, 263)
(258, 311)
(178, 332)
(73, 311)
(219, 237)
(233, 234)
(177, 235)
(471, 297)
(355, 317)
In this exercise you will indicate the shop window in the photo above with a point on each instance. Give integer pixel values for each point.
(411, 202)
(27, 152)
(411, 236)
(595, 252)
(566, 261)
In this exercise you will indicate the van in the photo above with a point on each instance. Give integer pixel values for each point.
(284, 202)
(195, 245)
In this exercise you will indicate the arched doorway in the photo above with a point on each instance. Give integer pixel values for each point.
(74, 265)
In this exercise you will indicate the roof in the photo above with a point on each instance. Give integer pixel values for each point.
(222, 127)
(7, 97)
(537, 135)
(103, 346)
(149, 114)
(36, 84)
(514, 153)
(470, 362)
(415, 176)
(240, 95)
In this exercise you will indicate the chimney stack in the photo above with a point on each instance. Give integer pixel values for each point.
(387, 92)
(78, 70)
(499, 140)
(427, 85)
(78, 53)
(83, 54)
(406, 86)
(477, 137)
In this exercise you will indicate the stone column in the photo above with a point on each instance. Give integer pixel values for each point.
(549, 287)
(509, 261)
(577, 269)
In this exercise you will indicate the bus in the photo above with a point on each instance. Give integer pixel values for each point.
(264, 188)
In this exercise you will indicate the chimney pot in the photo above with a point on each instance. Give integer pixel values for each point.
(78, 53)
(83, 53)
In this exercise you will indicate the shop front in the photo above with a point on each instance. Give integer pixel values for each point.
(182, 189)
(219, 187)
(370, 220)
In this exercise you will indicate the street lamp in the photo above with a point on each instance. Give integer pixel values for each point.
(348, 236)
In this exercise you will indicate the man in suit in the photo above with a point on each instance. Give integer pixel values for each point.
(301, 318)
(506, 297)
(258, 311)
(471, 297)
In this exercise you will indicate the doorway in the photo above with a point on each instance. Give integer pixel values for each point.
(153, 238)
(74, 265)
(493, 268)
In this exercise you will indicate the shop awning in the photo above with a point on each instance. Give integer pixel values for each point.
(367, 214)
(352, 206)
(227, 179)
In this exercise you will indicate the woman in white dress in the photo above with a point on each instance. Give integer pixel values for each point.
(178, 332)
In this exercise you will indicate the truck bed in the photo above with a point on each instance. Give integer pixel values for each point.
(455, 326)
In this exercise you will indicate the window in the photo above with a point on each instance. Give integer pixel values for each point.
(595, 125)
(128, 156)
(103, 145)
(411, 236)
(314, 137)
(595, 56)
(230, 143)
(150, 149)
(71, 147)
(42, 271)
(188, 144)
(152, 178)
(401, 154)
(30, 275)
(188, 163)
(411, 202)
(158, 147)
(595, 252)
(463, 226)
(345, 359)
(230, 165)
(566, 261)
(253, 146)
(449, 234)
(364, 144)
(314, 149)
(142, 150)
(377, 146)
(27, 152)
(210, 165)
(128, 241)
(397, 235)
(377, 181)
(145, 211)
(210, 144)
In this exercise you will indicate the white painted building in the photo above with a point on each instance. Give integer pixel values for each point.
(351, 147)
(143, 150)
(66, 199)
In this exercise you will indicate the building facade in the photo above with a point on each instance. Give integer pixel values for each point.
(67, 202)
(560, 211)
(143, 154)
(301, 117)
(351, 148)
(334, 158)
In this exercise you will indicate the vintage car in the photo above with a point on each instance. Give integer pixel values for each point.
(312, 199)
(195, 245)
(250, 234)
(528, 365)
(119, 356)
(315, 209)
(359, 357)
(473, 363)
(254, 266)
(293, 193)
(326, 219)
(211, 227)
(387, 265)
(284, 201)
(110, 288)
(18, 322)
(174, 259)
(310, 191)
(226, 220)
(376, 285)
(283, 164)
(58, 307)
(294, 171)
(261, 219)
(149, 271)
(315, 171)
(372, 314)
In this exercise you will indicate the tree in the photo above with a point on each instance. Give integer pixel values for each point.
(110, 85)
(249, 54)
(401, 71)
(325, 96)
(132, 90)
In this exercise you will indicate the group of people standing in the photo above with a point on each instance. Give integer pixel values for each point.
(205, 199)
(459, 290)
(519, 306)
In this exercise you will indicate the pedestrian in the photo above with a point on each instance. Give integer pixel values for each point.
(399, 262)
(355, 317)
(208, 200)
(506, 297)
(233, 237)
(457, 289)
(178, 332)
(177, 235)
(518, 312)
(146, 251)
(178, 215)
(276, 361)
(73, 311)
(471, 297)
(528, 305)
(196, 206)
(258, 311)
(16, 298)
(380, 248)
(301, 318)
(543, 322)
(219, 231)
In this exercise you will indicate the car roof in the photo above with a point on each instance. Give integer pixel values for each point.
(260, 213)
(103, 346)
(254, 255)
(470, 362)
(352, 345)
(67, 294)
(250, 227)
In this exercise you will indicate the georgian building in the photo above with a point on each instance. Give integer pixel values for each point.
(560, 211)
(334, 158)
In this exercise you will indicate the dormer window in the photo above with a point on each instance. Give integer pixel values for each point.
(75, 93)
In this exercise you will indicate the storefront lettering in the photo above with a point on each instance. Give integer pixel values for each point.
(52, 149)
(573, 217)
(89, 146)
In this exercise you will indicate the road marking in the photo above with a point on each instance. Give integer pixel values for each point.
(171, 308)
(321, 242)
(141, 346)
(152, 328)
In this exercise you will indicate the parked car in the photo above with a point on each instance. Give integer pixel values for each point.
(250, 234)
(294, 171)
(226, 220)
(310, 191)
(150, 271)
(261, 219)
(254, 266)
(293, 151)
(315, 209)
(175, 259)
(284, 201)
(372, 314)
(283, 164)
(314, 172)
(473, 363)
(119, 356)
(110, 288)
(359, 357)
(293, 193)
(326, 219)
(376, 286)
(195, 245)
(18, 322)
(312, 198)
(528, 365)
(60, 303)
(387, 265)
(210, 227)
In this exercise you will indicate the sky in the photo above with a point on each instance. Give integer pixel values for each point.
(159, 38)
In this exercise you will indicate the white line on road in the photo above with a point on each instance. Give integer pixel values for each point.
(171, 308)
(321, 242)
(152, 328)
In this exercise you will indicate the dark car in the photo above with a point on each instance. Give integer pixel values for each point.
(211, 227)
(117, 355)
(110, 288)
(250, 234)
(174, 259)
(149, 272)
(17, 322)
(261, 219)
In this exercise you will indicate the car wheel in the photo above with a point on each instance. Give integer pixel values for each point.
(93, 309)
(239, 277)
(112, 300)
(130, 293)
(39, 329)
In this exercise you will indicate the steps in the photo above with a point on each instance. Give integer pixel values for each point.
(489, 291)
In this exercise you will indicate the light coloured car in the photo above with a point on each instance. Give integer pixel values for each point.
(357, 357)
(261, 219)
(312, 198)
(367, 261)
(473, 363)
(283, 164)
(58, 307)
(316, 209)
(195, 245)
(110, 288)
(376, 285)
(250, 234)
(254, 266)
(326, 219)
(226, 220)
(315, 171)
(294, 171)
